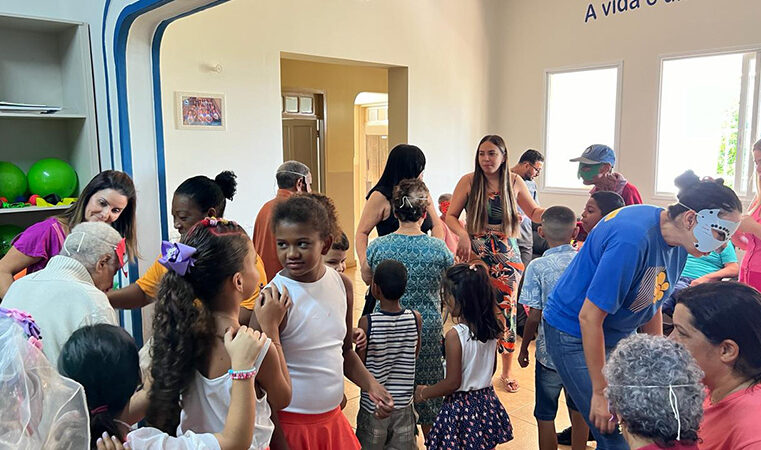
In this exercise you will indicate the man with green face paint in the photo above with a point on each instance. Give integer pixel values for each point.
(596, 168)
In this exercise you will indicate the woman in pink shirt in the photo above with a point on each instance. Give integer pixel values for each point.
(109, 197)
(748, 237)
(720, 324)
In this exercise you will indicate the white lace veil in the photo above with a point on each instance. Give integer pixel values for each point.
(38, 407)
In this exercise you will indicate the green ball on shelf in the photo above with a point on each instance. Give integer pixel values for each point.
(12, 181)
(52, 176)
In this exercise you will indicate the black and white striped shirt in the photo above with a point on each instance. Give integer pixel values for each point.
(390, 358)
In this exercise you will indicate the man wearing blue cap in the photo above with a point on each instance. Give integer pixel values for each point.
(596, 168)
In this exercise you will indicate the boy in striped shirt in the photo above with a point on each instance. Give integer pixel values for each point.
(393, 343)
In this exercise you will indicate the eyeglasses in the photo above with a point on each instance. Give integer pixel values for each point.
(538, 169)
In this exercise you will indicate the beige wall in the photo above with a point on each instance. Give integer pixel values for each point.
(341, 84)
(547, 34)
(443, 43)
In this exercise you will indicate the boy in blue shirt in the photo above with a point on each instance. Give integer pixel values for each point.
(715, 266)
(559, 229)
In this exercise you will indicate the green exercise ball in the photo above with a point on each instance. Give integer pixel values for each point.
(12, 181)
(52, 176)
(7, 233)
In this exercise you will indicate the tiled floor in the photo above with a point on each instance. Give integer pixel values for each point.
(519, 406)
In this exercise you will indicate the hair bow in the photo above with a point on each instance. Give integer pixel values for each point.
(27, 324)
(177, 257)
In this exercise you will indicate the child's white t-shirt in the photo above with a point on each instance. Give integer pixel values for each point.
(477, 360)
(313, 341)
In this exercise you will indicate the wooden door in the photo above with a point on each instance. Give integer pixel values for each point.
(376, 147)
(301, 143)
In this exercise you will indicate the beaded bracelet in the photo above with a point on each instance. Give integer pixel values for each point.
(242, 374)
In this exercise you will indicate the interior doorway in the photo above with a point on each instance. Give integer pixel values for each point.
(303, 125)
(371, 143)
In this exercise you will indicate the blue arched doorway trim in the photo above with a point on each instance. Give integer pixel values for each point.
(119, 132)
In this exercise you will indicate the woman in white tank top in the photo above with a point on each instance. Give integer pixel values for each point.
(472, 415)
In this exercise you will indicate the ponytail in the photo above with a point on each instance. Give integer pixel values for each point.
(183, 326)
(208, 193)
(183, 334)
(698, 194)
(103, 422)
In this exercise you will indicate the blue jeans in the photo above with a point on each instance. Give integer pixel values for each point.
(567, 353)
(670, 303)
(548, 389)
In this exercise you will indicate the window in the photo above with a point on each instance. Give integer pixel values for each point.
(582, 109)
(707, 119)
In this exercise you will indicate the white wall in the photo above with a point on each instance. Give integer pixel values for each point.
(538, 35)
(443, 42)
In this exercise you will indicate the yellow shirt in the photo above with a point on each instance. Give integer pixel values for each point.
(149, 282)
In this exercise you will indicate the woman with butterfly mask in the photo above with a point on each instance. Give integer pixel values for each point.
(425, 259)
(618, 282)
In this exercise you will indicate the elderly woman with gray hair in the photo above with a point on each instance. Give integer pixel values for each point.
(655, 392)
(70, 291)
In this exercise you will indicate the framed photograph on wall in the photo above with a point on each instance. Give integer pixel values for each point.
(197, 111)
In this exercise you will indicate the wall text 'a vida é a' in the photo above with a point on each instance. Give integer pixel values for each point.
(612, 7)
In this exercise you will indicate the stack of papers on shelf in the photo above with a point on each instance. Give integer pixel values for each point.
(9, 107)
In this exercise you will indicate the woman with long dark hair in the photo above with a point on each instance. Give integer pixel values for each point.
(490, 195)
(405, 162)
(425, 259)
(109, 197)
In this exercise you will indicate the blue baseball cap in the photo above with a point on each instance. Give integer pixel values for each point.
(596, 154)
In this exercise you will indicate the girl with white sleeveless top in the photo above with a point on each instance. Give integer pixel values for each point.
(316, 331)
(472, 415)
(211, 271)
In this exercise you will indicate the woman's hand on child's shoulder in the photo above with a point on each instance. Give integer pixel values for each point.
(244, 347)
(271, 307)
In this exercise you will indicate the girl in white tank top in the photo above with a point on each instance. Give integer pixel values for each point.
(211, 271)
(316, 332)
(472, 415)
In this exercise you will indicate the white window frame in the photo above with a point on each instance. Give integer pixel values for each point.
(754, 122)
(619, 66)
